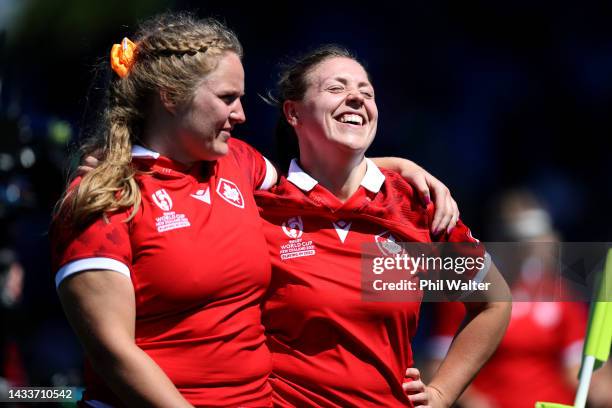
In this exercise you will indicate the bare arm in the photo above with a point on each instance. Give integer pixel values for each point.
(447, 212)
(88, 163)
(483, 328)
(100, 307)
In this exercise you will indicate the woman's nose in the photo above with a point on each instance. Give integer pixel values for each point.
(355, 98)
(237, 114)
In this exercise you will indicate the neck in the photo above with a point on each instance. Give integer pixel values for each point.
(160, 135)
(342, 176)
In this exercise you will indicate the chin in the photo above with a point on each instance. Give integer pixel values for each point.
(349, 150)
(222, 149)
(358, 145)
(216, 153)
(354, 140)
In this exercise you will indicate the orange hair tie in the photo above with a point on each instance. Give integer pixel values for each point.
(122, 57)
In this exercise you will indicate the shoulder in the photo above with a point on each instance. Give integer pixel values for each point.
(396, 181)
(240, 146)
(63, 217)
(396, 189)
(397, 202)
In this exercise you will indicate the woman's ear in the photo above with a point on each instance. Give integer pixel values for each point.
(290, 111)
(167, 101)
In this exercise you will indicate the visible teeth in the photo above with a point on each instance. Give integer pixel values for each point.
(351, 118)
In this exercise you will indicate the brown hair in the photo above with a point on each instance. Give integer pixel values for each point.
(292, 85)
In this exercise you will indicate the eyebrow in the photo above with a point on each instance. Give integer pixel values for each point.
(344, 81)
(230, 91)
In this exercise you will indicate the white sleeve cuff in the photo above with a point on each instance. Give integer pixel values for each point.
(270, 178)
(480, 275)
(484, 270)
(89, 264)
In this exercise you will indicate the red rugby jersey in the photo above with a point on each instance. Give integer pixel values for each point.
(330, 348)
(198, 261)
(543, 338)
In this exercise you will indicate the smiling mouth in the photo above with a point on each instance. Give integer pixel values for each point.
(350, 119)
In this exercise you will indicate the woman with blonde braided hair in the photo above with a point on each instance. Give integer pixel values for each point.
(160, 257)
(172, 55)
(184, 328)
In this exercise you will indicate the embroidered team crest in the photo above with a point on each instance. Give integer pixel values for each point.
(387, 243)
(162, 199)
(230, 193)
(293, 227)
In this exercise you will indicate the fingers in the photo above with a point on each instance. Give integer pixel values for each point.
(443, 213)
(413, 373)
(81, 171)
(420, 185)
(87, 164)
(444, 225)
(455, 217)
(97, 154)
(420, 400)
(446, 211)
(91, 161)
(414, 387)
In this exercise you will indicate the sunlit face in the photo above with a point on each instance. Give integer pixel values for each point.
(205, 123)
(338, 110)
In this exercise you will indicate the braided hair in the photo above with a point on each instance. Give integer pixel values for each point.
(173, 52)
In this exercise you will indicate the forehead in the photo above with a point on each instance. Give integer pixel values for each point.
(228, 73)
(338, 68)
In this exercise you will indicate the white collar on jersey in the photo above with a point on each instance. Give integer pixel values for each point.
(372, 180)
(141, 151)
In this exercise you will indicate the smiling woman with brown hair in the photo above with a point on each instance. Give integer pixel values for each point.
(330, 347)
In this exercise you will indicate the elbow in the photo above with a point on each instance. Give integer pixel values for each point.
(505, 312)
(499, 312)
(107, 355)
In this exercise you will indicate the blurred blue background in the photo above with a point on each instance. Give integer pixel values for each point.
(487, 96)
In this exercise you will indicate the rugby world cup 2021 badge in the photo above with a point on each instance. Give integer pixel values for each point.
(162, 199)
(170, 220)
(295, 247)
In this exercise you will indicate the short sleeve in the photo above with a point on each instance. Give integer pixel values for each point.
(468, 248)
(461, 233)
(103, 245)
(258, 170)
